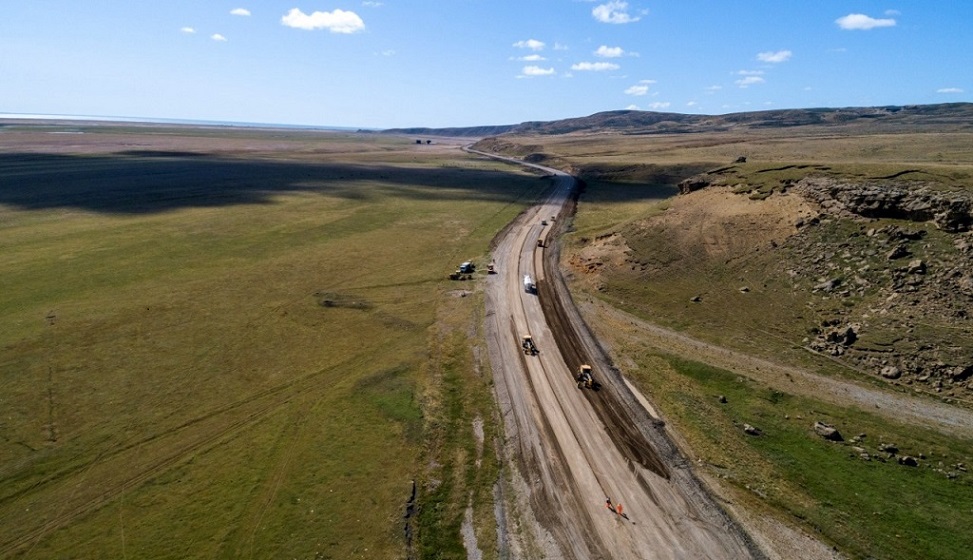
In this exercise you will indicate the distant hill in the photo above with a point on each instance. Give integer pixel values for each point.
(470, 131)
(957, 115)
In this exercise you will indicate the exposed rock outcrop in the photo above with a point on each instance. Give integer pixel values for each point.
(950, 211)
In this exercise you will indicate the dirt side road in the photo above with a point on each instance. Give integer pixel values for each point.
(899, 407)
(571, 448)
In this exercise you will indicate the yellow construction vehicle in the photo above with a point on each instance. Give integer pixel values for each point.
(527, 344)
(585, 380)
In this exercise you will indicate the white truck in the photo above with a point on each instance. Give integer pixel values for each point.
(529, 285)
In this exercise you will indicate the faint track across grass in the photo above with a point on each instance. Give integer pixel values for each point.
(96, 483)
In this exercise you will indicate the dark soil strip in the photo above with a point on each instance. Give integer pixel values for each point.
(410, 513)
(606, 403)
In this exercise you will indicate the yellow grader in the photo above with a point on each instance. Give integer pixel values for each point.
(585, 380)
(527, 344)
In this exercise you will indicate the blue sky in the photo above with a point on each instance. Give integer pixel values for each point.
(398, 63)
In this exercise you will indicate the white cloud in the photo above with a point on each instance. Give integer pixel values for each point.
(338, 21)
(595, 66)
(537, 71)
(861, 21)
(659, 105)
(714, 88)
(532, 44)
(371, 4)
(218, 37)
(531, 58)
(560, 47)
(632, 108)
(949, 90)
(641, 88)
(893, 13)
(615, 11)
(771, 56)
(750, 72)
(240, 12)
(605, 51)
(691, 104)
(388, 52)
(188, 30)
(749, 81)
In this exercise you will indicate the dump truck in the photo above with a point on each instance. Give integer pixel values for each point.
(527, 344)
(585, 380)
(529, 285)
(491, 268)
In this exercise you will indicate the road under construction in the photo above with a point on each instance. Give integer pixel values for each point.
(572, 451)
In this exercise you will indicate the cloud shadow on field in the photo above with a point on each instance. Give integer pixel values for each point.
(145, 182)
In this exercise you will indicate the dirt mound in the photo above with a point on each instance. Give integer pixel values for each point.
(713, 223)
(722, 224)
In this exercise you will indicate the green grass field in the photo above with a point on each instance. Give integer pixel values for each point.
(237, 345)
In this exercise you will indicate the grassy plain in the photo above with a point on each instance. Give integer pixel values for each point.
(239, 343)
(868, 509)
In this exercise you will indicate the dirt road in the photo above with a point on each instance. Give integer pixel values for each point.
(917, 410)
(575, 448)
